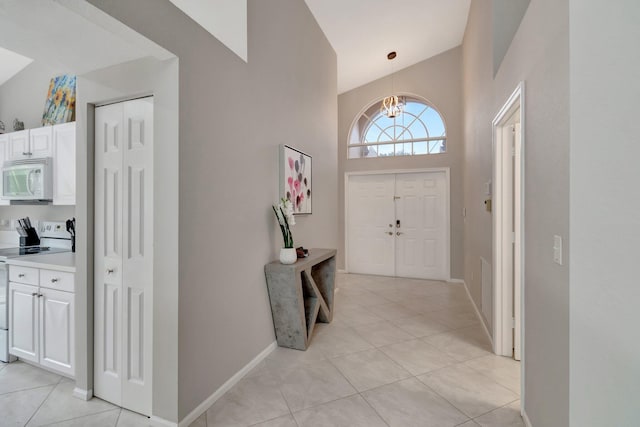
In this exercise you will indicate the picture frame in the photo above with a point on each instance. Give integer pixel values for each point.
(296, 179)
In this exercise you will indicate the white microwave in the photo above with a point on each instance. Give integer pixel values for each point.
(28, 179)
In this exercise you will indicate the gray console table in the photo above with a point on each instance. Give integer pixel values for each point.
(300, 295)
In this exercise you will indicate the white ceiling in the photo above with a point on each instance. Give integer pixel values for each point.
(362, 32)
(47, 31)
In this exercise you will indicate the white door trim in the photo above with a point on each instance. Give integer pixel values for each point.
(446, 171)
(502, 303)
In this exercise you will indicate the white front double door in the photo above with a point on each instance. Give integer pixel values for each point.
(397, 225)
(123, 257)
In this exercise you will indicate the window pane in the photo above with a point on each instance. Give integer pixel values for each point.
(384, 123)
(414, 108)
(434, 122)
(420, 147)
(418, 130)
(385, 150)
(403, 149)
(437, 146)
(372, 134)
(371, 151)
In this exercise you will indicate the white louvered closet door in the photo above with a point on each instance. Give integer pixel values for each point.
(123, 264)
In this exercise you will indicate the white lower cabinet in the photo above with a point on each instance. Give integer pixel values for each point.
(41, 324)
(23, 321)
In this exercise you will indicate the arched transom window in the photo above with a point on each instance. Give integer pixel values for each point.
(417, 130)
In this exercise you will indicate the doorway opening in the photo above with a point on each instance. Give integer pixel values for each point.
(397, 223)
(508, 227)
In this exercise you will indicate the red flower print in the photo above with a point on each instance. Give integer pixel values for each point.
(290, 163)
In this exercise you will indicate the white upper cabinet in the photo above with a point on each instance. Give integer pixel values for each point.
(4, 149)
(31, 143)
(40, 142)
(64, 164)
(58, 142)
(19, 145)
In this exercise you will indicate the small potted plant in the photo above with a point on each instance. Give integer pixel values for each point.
(284, 215)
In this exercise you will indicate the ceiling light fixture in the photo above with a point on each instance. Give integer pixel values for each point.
(392, 105)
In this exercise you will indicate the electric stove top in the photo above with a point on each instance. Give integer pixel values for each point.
(29, 250)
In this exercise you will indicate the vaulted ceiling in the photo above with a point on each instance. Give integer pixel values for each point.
(362, 32)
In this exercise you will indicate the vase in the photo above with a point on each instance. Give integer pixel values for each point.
(288, 255)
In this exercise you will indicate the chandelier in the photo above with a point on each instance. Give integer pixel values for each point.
(392, 105)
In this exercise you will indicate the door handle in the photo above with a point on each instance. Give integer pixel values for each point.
(399, 233)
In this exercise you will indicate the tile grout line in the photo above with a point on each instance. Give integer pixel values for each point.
(120, 414)
(43, 401)
(374, 409)
(28, 389)
(495, 409)
(446, 400)
(83, 416)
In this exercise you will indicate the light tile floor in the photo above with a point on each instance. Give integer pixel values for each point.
(399, 352)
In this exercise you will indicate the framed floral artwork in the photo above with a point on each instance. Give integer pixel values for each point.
(295, 179)
(60, 106)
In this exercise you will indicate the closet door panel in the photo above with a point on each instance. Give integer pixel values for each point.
(138, 254)
(109, 152)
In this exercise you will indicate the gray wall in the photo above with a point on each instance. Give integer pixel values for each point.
(605, 226)
(23, 96)
(539, 56)
(233, 115)
(438, 80)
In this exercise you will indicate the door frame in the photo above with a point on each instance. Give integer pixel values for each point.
(447, 173)
(503, 302)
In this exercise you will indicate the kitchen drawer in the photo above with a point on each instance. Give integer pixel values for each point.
(26, 275)
(60, 280)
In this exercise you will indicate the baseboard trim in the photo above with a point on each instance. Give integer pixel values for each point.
(475, 307)
(341, 271)
(161, 422)
(201, 408)
(456, 281)
(527, 421)
(82, 394)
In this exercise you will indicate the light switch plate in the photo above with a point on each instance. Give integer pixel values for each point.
(557, 249)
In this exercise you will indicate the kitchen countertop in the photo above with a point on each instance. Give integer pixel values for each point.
(63, 261)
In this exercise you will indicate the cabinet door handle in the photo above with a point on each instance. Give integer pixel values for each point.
(27, 154)
(40, 295)
(110, 271)
(21, 275)
(34, 294)
(389, 233)
(54, 280)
